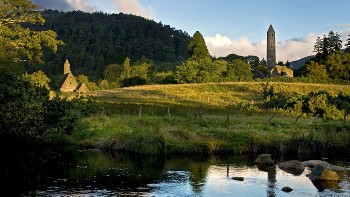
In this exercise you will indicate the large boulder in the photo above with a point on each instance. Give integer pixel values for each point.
(321, 173)
(264, 159)
(313, 163)
(293, 166)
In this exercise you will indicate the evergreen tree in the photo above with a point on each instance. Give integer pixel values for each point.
(325, 47)
(335, 43)
(318, 47)
(197, 49)
(338, 65)
(347, 49)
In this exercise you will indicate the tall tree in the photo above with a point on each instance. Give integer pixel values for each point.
(318, 46)
(335, 43)
(197, 49)
(126, 68)
(19, 42)
(325, 46)
(347, 49)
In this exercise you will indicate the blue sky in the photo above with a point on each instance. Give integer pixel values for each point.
(235, 26)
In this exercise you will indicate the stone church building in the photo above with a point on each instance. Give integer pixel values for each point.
(69, 83)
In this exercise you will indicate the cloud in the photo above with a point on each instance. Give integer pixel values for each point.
(291, 49)
(134, 7)
(85, 5)
(67, 5)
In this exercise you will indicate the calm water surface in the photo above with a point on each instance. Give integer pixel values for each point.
(96, 173)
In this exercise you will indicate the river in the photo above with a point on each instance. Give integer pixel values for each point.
(91, 172)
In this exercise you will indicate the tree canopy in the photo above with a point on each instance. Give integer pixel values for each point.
(95, 40)
(20, 42)
(197, 49)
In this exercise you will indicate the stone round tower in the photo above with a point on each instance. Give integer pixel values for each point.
(66, 67)
(271, 49)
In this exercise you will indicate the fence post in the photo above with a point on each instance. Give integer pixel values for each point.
(140, 111)
(169, 116)
(314, 118)
(271, 118)
(228, 117)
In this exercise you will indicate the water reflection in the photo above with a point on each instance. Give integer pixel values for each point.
(95, 173)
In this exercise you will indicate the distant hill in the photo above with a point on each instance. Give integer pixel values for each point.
(95, 40)
(295, 65)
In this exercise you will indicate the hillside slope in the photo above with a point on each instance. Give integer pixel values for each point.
(210, 94)
(94, 40)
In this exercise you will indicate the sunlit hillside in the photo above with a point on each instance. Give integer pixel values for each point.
(211, 94)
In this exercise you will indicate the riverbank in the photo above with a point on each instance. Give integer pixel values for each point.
(144, 129)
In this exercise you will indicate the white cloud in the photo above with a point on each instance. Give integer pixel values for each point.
(292, 49)
(85, 6)
(134, 7)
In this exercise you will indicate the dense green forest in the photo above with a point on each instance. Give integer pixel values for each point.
(95, 40)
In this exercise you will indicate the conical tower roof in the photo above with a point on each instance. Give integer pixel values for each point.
(271, 29)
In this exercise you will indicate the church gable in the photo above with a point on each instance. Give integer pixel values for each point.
(69, 84)
(82, 88)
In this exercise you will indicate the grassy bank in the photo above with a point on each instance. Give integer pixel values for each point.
(186, 132)
(202, 118)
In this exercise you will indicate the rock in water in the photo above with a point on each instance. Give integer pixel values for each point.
(321, 173)
(287, 189)
(264, 159)
(313, 163)
(293, 166)
(238, 178)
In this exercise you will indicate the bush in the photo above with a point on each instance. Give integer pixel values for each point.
(27, 115)
(21, 109)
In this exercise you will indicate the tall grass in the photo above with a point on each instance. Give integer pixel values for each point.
(213, 133)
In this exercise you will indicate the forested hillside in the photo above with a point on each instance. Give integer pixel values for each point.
(95, 40)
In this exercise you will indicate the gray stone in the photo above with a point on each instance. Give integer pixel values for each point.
(287, 189)
(293, 167)
(321, 173)
(264, 159)
(238, 178)
(313, 163)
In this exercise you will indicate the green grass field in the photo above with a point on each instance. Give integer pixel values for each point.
(213, 94)
(201, 119)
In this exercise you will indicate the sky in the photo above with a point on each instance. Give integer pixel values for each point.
(235, 26)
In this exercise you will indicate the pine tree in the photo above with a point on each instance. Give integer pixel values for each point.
(318, 46)
(347, 49)
(197, 48)
(335, 43)
(325, 47)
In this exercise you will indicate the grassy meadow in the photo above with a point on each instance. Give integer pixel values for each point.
(203, 119)
(210, 95)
